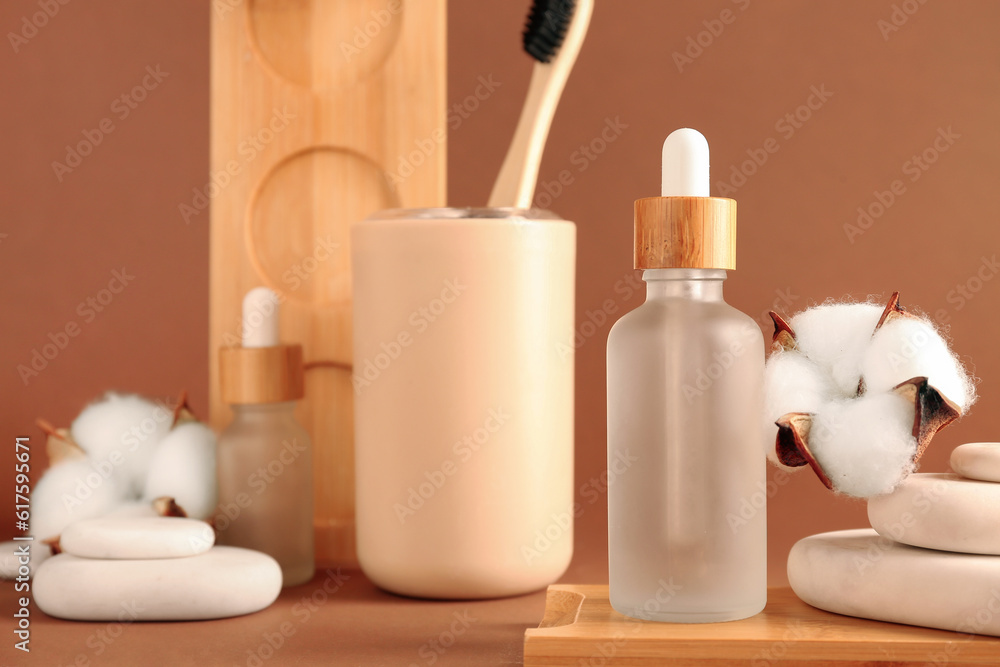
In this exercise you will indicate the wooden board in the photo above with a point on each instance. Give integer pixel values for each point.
(323, 111)
(581, 628)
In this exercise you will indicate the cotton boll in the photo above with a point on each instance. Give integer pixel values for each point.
(834, 336)
(865, 445)
(183, 467)
(134, 508)
(71, 491)
(122, 429)
(908, 347)
(10, 555)
(792, 383)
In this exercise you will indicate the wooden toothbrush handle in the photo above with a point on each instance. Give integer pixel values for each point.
(515, 185)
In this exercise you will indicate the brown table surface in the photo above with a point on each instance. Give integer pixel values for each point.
(314, 624)
(356, 625)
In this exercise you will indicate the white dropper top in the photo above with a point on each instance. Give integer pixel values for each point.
(260, 318)
(685, 164)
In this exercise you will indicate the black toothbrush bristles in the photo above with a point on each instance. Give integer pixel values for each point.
(546, 27)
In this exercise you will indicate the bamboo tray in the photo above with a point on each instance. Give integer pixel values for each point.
(581, 628)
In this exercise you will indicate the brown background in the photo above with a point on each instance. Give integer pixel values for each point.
(890, 96)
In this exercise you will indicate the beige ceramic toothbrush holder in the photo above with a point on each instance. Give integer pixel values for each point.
(463, 395)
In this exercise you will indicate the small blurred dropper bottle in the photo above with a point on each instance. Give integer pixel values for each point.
(265, 455)
(684, 400)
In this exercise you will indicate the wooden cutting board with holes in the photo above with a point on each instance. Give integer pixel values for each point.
(323, 111)
(581, 628)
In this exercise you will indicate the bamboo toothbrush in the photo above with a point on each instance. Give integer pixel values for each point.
(553, 36)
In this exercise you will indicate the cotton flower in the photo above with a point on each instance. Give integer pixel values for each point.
(121, 454)
(122, 429)
(70, 491)
(857, 391)
(183, 468)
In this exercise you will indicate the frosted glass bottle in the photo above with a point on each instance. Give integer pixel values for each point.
(266, 487)
(264, 457)
(687, 529)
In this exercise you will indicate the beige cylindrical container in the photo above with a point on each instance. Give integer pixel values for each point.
(463, 383)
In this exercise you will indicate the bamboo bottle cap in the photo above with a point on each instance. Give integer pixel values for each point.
(262, 370)
(684, 228)
(685, 233)
(261, 374)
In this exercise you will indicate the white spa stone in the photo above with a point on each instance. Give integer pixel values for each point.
(940, 511)
(11, 555)
(977, 460)
(222, 582)
(860, 573)
(137, 538)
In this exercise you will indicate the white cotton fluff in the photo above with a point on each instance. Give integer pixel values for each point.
(123, 429)
(71, 491)
(133, 508)
(909, 347)
(834, 336)
(865, 445)
(183, 467)
(794, 384)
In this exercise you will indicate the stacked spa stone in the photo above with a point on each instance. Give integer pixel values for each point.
(933, 558)
(152, 569)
